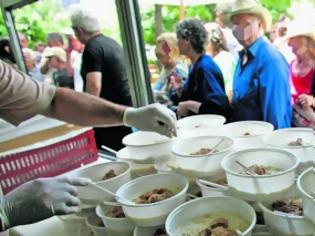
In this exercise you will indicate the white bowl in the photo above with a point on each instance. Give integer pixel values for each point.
(198, 125)
(256, 130)
(115, 226)
(211, 191)
(284, 224)
(208, 163)
(93, 223)
(306, 185)
(260, 187)
(155, 213)
(282, 137)
(146, 231)
(147, 145)
(262, 234)
(93, 196)
(191, 210)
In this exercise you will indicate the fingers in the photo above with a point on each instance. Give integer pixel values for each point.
(166, 120)
(76, 181)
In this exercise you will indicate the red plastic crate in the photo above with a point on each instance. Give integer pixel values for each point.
(48, 161)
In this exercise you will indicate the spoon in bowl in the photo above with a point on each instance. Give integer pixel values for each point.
(213, 149)
(122, 201)
(248, 170)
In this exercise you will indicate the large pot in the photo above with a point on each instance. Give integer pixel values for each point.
(260, 187)
(183, 150)
(145, 146)
(93, 196)
(247, 134)
(152, 214)
(199, 125)
(283, 139)
(307, 187)
(191, 210)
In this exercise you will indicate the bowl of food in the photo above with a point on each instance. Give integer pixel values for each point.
(306, 186)
(207, 215)
(96, 225)
(145, 146)
(155, 196)
(113, 217)
(214, 186)
(198, 125)
(150, 231)
(202, 153)
(299, 141)
(285, 217)
(247, 133)
(110, 175)
(260, 174)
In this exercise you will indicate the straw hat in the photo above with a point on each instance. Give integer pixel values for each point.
(301, 28)
(250, 7)
(57, 52)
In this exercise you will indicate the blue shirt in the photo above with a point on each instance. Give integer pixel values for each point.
(261, 88)
(205, 85)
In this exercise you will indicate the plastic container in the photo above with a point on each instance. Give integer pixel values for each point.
(153, 214)
(260, 187)
(286, 224)
(282, 137)
(199, 125)
(306, 185)
(213, 191)
(207, 163)
(93, 196)
(146, 231)
(146, 146)
(115, 226)
(247, 134)
(207, 205)
(47, 161)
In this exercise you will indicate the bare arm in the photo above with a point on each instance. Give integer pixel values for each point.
(84, 109)
(94, 83)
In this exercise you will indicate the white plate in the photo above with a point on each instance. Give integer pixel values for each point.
(123, 154)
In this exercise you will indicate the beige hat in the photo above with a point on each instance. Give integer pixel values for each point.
(57, 52)
(301, 28)
(249, 7)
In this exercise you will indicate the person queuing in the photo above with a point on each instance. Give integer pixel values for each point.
(203, 91)
(261, 88)
(22, 98)
(103, 71)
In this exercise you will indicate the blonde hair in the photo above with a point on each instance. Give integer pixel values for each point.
(171, 41)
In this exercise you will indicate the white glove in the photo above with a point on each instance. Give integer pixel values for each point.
(40, 199)
(154, 117)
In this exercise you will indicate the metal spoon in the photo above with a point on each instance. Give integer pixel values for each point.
(249, 171)
(215, 146)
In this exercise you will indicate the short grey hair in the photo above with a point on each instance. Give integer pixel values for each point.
(193, 31)
(85, 19)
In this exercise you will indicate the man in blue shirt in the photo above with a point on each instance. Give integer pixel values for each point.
(261, 88)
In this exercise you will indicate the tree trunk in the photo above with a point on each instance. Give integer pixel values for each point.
(158, 20)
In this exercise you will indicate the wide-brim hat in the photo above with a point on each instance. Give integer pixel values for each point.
(300, 28)
(248, 7)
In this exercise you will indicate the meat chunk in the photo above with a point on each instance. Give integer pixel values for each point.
(116, 212)
(155, 195)
(110, 174)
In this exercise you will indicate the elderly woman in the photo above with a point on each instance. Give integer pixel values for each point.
(218, 49)
(301, 38)
(203, 92)
(167, 53)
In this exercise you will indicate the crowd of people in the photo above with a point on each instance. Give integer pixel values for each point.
(269, 79)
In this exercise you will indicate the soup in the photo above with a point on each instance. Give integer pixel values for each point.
(215, 223)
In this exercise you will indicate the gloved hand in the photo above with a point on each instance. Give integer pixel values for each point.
(42, 198)
(154, 117)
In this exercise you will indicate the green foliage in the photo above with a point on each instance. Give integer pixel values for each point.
(277, 7)
(170, 16)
